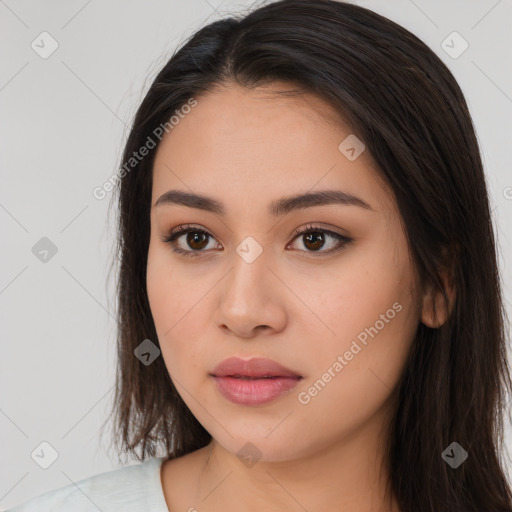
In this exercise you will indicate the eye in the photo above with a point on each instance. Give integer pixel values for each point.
(313, 239)
(195, 239)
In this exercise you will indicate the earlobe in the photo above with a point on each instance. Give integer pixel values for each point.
(435, 311)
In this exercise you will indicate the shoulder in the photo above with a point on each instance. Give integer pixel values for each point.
(130, 488)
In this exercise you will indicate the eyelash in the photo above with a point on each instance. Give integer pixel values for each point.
(176, 233)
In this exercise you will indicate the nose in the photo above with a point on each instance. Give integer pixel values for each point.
(251, 299)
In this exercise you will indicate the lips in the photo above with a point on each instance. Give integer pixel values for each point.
(253, 382)
(256, 368)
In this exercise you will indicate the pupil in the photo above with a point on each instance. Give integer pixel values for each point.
(192, 239)
(317, 236)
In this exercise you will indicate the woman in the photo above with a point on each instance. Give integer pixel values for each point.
(310, 315)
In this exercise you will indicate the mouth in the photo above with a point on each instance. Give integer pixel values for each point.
(255, 381)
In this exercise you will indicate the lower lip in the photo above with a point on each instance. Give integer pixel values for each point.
(255, 391)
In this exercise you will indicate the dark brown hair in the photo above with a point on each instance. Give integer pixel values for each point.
(403, 102)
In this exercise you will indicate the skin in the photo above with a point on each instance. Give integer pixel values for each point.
(247, 148)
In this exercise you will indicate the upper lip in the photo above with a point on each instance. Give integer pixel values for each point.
(255, 367)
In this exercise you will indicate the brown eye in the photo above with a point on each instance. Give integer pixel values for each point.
(315, 239)
(196, 240)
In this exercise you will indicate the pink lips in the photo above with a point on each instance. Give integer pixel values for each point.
(253, 382)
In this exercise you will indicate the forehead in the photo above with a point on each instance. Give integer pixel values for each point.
(263, 142)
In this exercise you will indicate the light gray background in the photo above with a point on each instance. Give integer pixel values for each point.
(64, 122)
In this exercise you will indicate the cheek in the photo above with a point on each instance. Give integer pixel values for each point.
(162, 283)
(352, 375)
(169, 292)
(159, 284)
(372, 313)
(175, 307)
(355, 296)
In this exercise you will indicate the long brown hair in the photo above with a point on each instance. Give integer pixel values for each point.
(406, 106)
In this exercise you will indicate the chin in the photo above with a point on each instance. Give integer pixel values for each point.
(252, 447)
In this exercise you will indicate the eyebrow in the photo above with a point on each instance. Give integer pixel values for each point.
(279, 207)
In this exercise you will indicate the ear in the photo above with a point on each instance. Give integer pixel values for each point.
(434, 310)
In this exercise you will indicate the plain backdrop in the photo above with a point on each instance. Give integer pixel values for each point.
(64, 119)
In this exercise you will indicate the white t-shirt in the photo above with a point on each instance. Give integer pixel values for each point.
(136, 488)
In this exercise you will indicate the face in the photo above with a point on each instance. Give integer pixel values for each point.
(337, 306)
